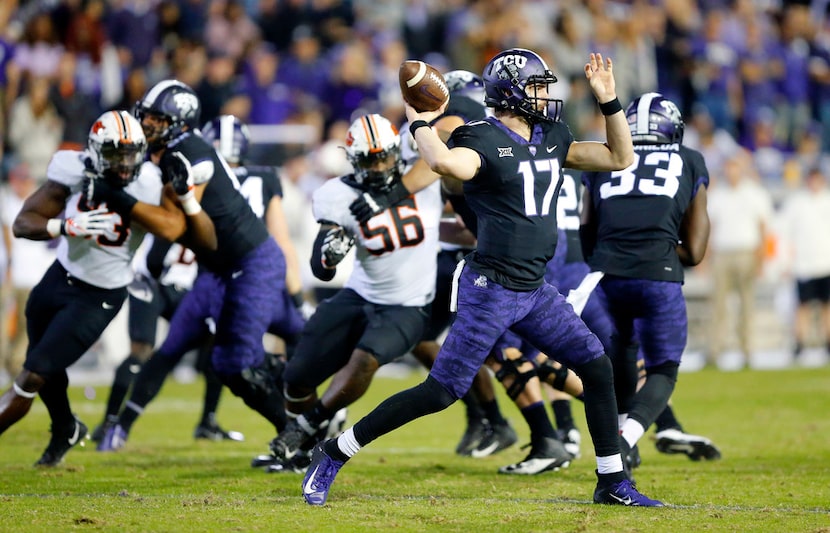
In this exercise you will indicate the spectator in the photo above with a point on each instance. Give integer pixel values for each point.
(806, 227)
(352, 88)
(77, 109)
(736, 243)
(29, 261)
(229, 30)
(35, 129)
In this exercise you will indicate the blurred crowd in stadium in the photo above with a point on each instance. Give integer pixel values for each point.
(752, 79)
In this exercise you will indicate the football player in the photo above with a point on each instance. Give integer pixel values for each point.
(641, 226)
(381, 312)
(511, 166)
(241, 285)
(92, 269)
(487, 431)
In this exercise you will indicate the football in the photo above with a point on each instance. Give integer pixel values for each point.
(422, 86)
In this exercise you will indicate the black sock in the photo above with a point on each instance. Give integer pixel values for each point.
(213, 390)
(124, 377)
(54, 396)
(667, 420)
(333, 450)
(538, 422)
(492, 412)
(562, 414)
(147, 385)
(318, 414)
(474, 410)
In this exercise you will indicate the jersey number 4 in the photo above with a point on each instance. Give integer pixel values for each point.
(659, 175)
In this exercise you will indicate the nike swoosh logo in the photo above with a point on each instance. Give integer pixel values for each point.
(74, 438)
(105, 305)
(485, 451)
(551, 148)
(625, 501)
(307, 487)
(235, 275)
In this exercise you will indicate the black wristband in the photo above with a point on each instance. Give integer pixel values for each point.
(609, 108)
(417, 124)
(121, 202)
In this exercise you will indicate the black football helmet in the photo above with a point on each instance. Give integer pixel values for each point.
(506, 79)
(373, 147)
(174, 102)
(654, 119)
(229, 136)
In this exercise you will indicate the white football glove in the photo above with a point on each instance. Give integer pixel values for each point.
(89, 224)
(335, 246)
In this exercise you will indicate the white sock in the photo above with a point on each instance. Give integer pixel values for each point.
(621, 418)
(609, 464)
(632, 431)
(347, 443)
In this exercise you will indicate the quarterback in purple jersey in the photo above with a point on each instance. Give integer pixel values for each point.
(511, 166)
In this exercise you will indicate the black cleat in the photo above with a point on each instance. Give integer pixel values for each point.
(60, 444)
(216, 433)
(477, 429)
(545, 456)
(499, 437)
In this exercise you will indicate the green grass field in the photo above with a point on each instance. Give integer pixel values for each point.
(773, 428)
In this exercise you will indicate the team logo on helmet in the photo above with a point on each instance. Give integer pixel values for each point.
(187, 104)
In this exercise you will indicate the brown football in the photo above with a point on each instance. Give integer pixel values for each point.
(422, 86)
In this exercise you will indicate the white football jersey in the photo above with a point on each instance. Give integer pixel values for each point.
(395, 261)
(180, 266)
(103, 261)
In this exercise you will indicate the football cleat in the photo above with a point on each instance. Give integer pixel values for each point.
(289, 441)
(572, 439)
(499, 437)
(114, 439)
(337, 424)
(212, 431)
(694, 446)
(319, 476)
(296, 465)
(477, 429)
(623, 493)
(59, 444)
(101, 429)
(546, 456)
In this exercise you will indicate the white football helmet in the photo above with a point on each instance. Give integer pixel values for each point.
(373, 147)
(117, 147)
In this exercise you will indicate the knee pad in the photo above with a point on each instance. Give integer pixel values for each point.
(668, 369)
(556, 377)
(510, 368)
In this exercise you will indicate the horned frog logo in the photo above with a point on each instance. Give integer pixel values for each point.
(187, 104)
(671, 110)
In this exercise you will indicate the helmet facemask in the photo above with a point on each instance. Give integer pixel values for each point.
(373, 147)
(378, 170)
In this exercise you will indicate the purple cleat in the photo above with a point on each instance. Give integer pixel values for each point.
(319, 476)
(114, 439)
(623, 493)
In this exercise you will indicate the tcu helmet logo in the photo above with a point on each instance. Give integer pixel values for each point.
(187, 103)
(671, 110)
(518, 60)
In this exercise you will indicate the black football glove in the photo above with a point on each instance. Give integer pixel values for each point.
(335, 246)
(370, 204)
(178, 172)
(96, 191)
